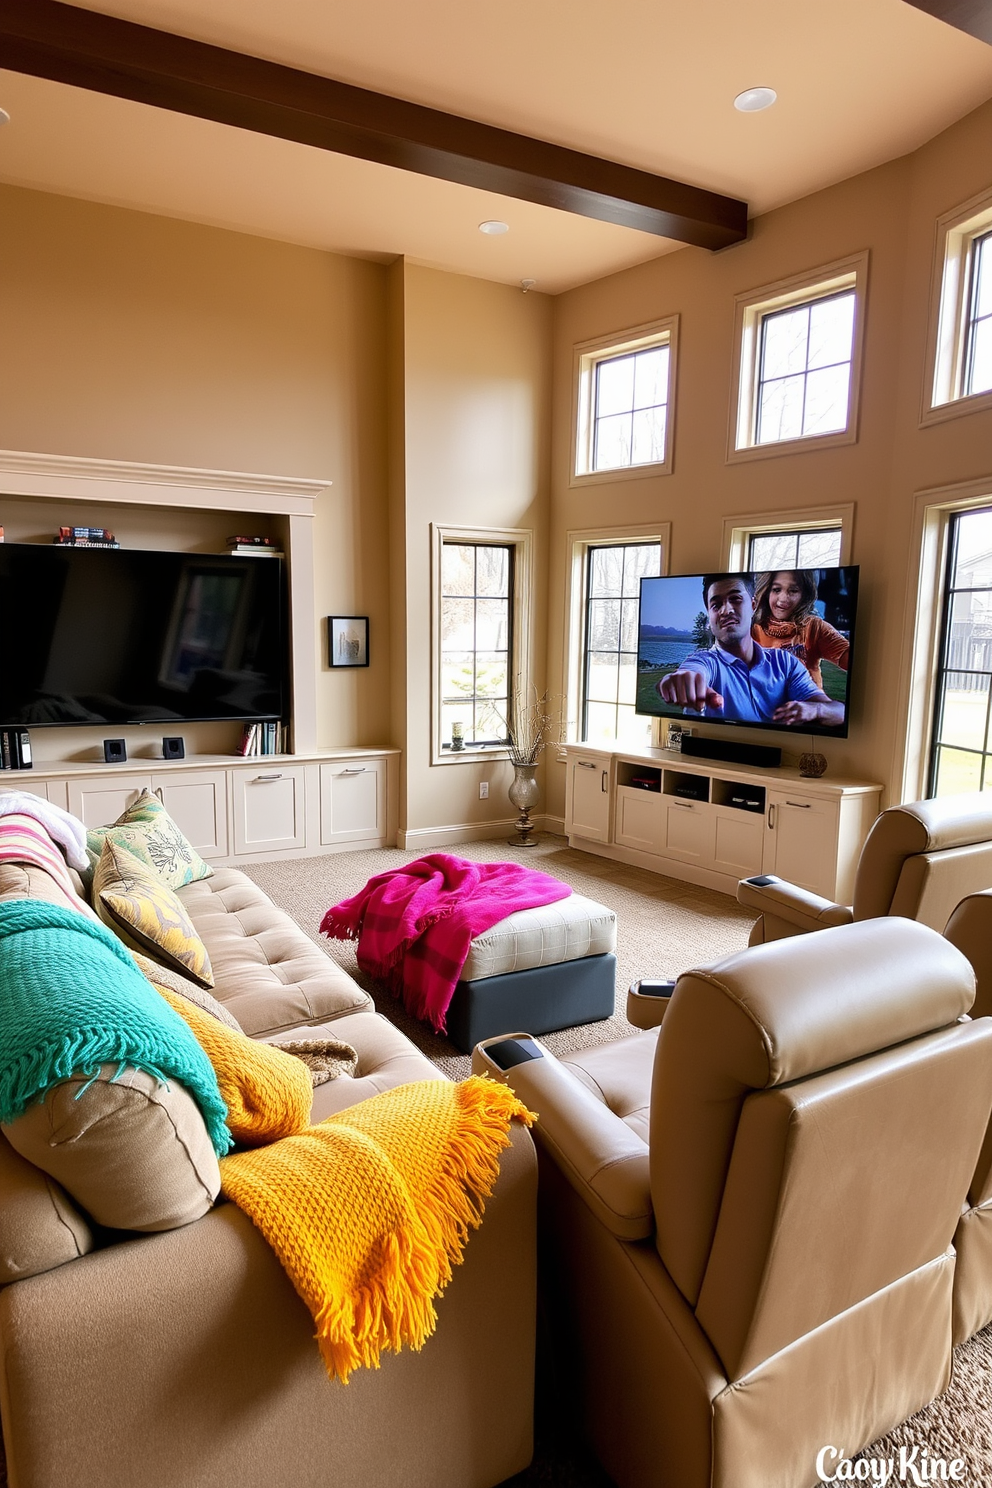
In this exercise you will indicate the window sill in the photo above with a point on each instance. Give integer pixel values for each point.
(621, 473)
(473, 754)
(791, 446)
(956, 408)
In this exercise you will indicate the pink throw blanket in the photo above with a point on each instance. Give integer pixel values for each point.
(414, 925)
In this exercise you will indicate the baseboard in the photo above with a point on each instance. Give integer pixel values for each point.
(424, 837)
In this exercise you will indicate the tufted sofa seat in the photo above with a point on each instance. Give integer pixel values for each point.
(185, 1359)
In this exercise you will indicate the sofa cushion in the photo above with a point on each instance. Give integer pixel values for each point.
(267, 972)
(165, 976)
(146, 914)
(40, 1227)
(147, 830)
(569, 930)
(386, 1058)
(132, 1151)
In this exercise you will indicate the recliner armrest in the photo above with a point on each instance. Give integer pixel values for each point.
(603, 1159)
(787, 901)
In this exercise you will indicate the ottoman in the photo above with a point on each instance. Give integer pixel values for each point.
(537, 970)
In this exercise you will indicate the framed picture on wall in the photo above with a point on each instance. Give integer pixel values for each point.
(348, 640)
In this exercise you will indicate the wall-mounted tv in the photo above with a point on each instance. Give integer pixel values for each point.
(762, 650)
(115, 636)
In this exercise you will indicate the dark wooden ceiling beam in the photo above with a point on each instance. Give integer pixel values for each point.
(86, 49)
(973, 16)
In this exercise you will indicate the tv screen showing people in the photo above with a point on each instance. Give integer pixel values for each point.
(765, 649)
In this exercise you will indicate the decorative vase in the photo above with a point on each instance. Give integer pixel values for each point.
(812, 765)
(524, 792)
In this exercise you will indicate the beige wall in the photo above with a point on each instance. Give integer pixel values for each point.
(471, 449)
(891, 211)
(134, 337)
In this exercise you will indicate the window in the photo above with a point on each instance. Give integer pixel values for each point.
(961, 340)
(481, 623)
(961, 746)
(799, 360)
(814, 548)
(624, 403)
(609, 671)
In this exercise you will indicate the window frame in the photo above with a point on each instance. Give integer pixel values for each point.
(941, 669)
(949, 321)
(738, 531)
(521, 540)
(750, 309)
(586, 357)
(578, 543)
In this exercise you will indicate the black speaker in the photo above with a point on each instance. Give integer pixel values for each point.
(729, 750)
(114, 751)
(173, 749)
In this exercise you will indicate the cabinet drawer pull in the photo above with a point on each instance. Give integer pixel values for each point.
(771, 817)
(604, 784)
(355, 770)
(800, 805)
(683, 805)
(585, 764)
(261, 779)
(158, 792)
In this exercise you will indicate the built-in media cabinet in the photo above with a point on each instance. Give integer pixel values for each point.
(241, 811)
(714, 824)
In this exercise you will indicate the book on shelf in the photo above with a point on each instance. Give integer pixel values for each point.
(256, 552)
(251, 542)
(262, 738)
(86, 537)
(15, 749)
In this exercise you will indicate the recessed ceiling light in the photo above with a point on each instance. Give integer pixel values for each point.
(4, 117)
(753, 100)
(493, 229)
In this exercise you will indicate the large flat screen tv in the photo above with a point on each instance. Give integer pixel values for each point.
(116, 636)
(762, 650)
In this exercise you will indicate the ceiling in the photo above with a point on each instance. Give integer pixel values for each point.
(649, 83)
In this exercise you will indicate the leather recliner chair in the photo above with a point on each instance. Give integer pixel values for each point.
(748, 1213)
(919, 860)
(970, 929)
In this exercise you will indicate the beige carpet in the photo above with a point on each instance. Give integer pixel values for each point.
(665, 926)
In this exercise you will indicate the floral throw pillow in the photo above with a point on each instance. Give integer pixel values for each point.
(147, 830)
(144, 912)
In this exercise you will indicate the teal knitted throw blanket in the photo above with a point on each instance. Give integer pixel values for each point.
(71, 999)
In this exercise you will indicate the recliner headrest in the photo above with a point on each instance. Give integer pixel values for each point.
(904, 832)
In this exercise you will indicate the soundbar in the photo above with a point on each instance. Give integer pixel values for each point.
(731, 752)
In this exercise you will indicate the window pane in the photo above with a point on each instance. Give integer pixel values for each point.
(492, 620)
(966, 703)
(831, 330)
(601, 723)
(457, 624)
(604, 625)
(980, 371)
(784, 342)
(615, 386)
(780, 410)
(456, 713)
(627, 681)
(457, 569)
(826, 400)
(491, 673)
(633, 730)
(819, 549)
(957, 773)
(492, 570)
(490, 722)
(640, 561)
(973, 567)
(969, 633)
(613, 442)
(648, 436)
(774, 550)
(602, 676)
(651, 377)
(606, 575)
(983, 276)
(457, 674)
(628, 625)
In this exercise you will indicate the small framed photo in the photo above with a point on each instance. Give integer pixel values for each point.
(348, 640)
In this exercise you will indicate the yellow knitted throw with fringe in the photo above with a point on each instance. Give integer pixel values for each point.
(368, 1211)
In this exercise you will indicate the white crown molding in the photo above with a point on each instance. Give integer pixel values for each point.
(69, 477)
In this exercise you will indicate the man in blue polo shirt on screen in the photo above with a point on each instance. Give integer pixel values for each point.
(738, 680)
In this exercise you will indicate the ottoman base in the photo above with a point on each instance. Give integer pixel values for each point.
(538, 1000)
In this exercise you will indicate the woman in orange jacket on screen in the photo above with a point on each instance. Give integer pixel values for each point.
(785, 616)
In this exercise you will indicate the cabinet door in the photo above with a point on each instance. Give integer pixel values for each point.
(48, 790)
(640, 819)
(690, 831)
(740, 841)
(269, 809)
(589, 799)
(197, 802)
(352, 800)
(99, 803)
(801, 841)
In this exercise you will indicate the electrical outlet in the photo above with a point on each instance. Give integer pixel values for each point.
(483, 790)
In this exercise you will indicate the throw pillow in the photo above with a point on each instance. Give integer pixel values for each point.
(147, 830)
(164, 976)
(144, 912)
